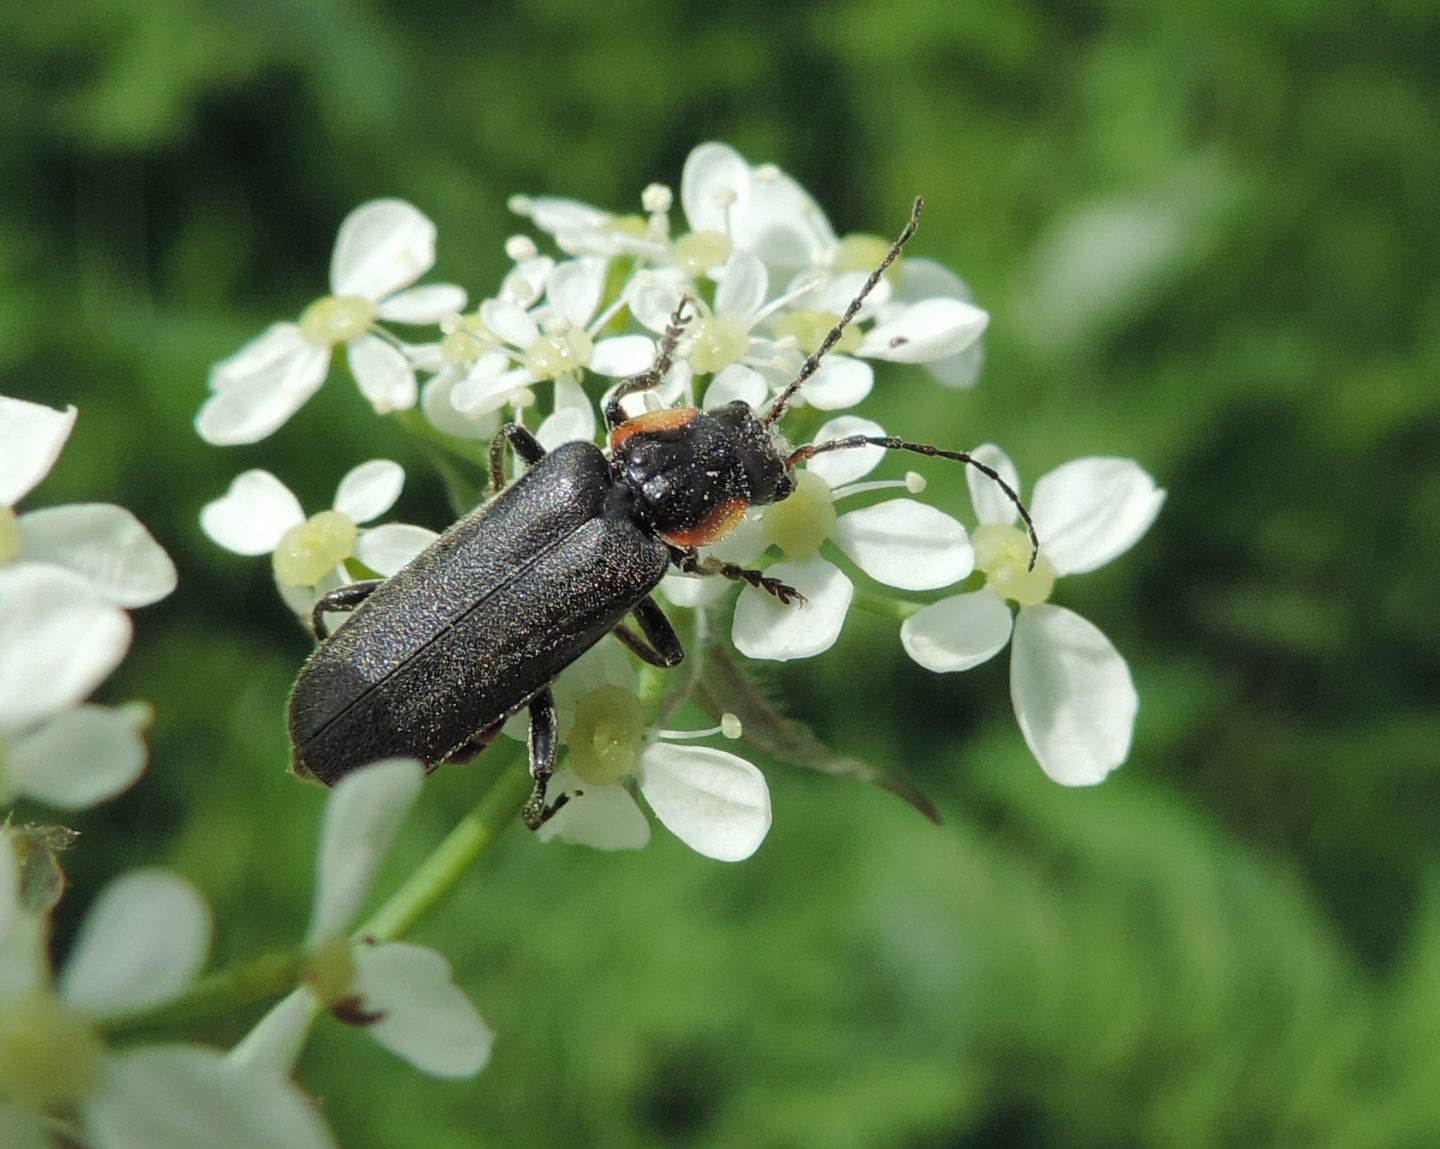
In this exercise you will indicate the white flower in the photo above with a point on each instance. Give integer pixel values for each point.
(582, 229)
(142, 943)
(383, 247)
(58, 641)
(105, 544)
(402, 994)
(713, 801)
(1072, 691)
(899, 542)
(259, 515)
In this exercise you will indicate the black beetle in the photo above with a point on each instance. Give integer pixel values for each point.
(477, 627)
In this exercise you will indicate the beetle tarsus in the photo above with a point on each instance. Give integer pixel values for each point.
(341, 600)
(691, 563)
(522, 442)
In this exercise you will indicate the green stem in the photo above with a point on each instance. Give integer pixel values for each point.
(247, 983)
(886, 606)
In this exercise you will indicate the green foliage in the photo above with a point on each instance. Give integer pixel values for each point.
(1207, 236)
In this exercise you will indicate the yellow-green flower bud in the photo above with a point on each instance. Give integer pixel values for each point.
(49, 1055)
(799, 524)
(310, 550)
(336, 319)
(717, 342)
(606, 737)
(1002, 553)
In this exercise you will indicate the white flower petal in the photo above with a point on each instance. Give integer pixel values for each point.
(383, 374)
(277, 1039)
(839, 382)
(369, 490)
(991, 504)
(782, 222)
(653, 299)
(574, 289)
(278, 343)
(693, 590)
(766, 628)
(961, 370)
(840, 467)
(1073, 695)
(744, 283)
(906, 544)
(387, 548)
(601, 817)
(439, 407)
(1088, 511)
(556, 213)
(362, 817)
(477, 394)
(736, 382)
(252, 515)
(714, 802)
(622, 356)
(183, 1096)
(383, 245)
(930, 329)
(428, 304)
(143, 942)
(743, 545)
(715, 181)
(247, 408)
(508, 322)
(58, 641)
(572, 419)
(957, 633)
(104, 544)
(426, 1019)
(80, 757)
(31, 438)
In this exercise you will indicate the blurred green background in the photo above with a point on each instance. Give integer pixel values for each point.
(1207, 234)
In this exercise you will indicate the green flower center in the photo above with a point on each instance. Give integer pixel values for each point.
(717, 342)
(809, 328)
(331, 971)
(607, 735)
(799, 524)
(9, 534)
(336, 319)
(860, 252)
(700, 251)
(559, 353)
(309, 550)
(49, 1055)
(465, 343)
(1002, 553)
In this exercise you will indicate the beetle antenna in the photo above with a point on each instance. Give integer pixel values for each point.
(810, 366)
(892, 444)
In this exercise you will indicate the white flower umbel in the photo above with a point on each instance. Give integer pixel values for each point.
(715, 802)
(105, 544)
(899, 542)
(383, 247)
(402, 994)
(142, 943)
(259, 515)
(1072, 691)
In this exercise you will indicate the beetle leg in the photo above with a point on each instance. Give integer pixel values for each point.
(341, 600)
(660, 645)
(521, 441)
(691, 563)
(542, 759)
(653, 375)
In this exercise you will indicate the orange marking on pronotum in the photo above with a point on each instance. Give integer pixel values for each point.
(718, 523)
(671, 420)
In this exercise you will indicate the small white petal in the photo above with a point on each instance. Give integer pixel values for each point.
(714, 802)
(428, 304)
(715, 181)
(693, 590)
(247, 409)
(278, 343)
(383, 245)
(426, 1019)
(22, 1128)
(783, 223)
(80, 757)
(574, 289)
(31, 438)
(556, 213)
(990, 502)
(387, 548)
(957, 633)
(840, 467)
(765, 627)
(277, 1039)
(622, 356)
(369, 490)
(362, 817)
(744, 284)
(930, 329)
(1073, 695)
(58, 641)
(743, 545)
(183, 1096)
(906, 544)
(143, 942)
(383, 374)
(477, 395)
(1089, 511)
(572, 419)
(252, 515)
(104, 544)
(601, 817)
(839, 382)
(961, 370)
(439, 408)
(652, 301)
(736, 382)
(509, 322)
